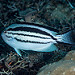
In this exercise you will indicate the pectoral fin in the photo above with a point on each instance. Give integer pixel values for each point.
(53, 47)
(18, 52)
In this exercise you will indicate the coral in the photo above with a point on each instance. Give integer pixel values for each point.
(65, 66)
(13, 63)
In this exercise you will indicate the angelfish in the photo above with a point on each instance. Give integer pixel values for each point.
(29, 36)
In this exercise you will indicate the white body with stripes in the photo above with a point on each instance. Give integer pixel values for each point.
(30, 37)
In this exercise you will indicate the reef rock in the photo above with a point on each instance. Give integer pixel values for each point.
(65, 66)
(70, 55)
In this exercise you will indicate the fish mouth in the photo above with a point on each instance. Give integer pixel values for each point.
(3, 36)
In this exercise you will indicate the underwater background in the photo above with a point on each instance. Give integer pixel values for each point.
(59, 14)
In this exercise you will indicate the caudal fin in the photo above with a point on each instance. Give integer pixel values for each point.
(68, 37)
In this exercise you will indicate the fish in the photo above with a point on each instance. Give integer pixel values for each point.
(72, 4)
(35, 37)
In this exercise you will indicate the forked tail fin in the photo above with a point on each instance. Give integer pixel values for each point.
(68, 37)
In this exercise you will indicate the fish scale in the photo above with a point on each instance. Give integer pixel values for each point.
(34, 37)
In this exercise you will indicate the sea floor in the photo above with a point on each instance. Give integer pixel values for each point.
(54, 13)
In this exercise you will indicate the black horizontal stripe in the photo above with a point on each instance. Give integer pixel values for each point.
(28, 35)
(27, 41)
(8, 36)
(44, 26)
(29, 29)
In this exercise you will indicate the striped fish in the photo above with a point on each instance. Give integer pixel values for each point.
(34, 37)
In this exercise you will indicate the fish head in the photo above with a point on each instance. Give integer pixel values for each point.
(8, 38)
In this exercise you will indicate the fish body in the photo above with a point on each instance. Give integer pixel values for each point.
(33, 37)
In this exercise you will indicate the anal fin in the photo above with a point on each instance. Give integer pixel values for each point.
(51, 48)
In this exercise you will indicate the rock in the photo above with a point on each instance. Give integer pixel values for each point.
(70, 56)
(28, 14)
(65, 66)
(62, 14)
